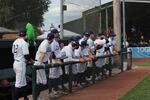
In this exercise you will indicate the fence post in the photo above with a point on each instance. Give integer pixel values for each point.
(110, 65)
(130, 58)
(121, 54)
(70, 78)
(93, 71)
(34, 83)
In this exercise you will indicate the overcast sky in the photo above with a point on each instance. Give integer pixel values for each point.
(74, 11)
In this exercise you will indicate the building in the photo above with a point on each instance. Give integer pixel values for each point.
(100, 18)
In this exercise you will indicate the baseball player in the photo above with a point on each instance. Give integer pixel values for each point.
(21, 56)
(85, 37)
(69, 52)
(110, 49)
(91, 49)
(100, 51)
(90, 41)
(55, 73)
(42, 56)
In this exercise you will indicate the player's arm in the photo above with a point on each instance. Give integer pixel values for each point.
(41, 57)
(26, 53)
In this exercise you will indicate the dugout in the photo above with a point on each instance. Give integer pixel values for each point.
(6, 66)
(137, 21)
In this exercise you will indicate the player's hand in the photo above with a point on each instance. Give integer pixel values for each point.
(32, 61)
(87, 59)
(92, 56)
(81, 60)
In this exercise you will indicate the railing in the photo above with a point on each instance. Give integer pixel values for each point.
(124, 60)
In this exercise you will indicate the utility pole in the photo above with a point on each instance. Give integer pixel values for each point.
(106, 10)
(100, 17)
(124, 24)
(61, 19)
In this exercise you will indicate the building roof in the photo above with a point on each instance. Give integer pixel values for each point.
(66, 34)
(5, 30)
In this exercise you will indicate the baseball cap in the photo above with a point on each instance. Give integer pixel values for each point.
(75, 38)
(112, 35)
(90, 32)
(83, 43)
(54, 31)
(86, 34)
(50, 36)
(22, 32)
(100, 34)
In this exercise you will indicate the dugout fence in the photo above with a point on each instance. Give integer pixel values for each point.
(121, 61)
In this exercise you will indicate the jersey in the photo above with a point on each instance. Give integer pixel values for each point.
(69, 53)
(57, 71)
(44, 48)
(81, 67)
(90, 43)
(56, 49)
(19, 49)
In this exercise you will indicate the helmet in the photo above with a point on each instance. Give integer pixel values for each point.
(50, 36)
(22, 32)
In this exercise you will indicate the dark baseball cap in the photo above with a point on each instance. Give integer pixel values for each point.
(75, 38)
(100, 34)
(86, 34)
(54, 31)
(84, 43)
(112, 35)
(50, 36)
(22, 32)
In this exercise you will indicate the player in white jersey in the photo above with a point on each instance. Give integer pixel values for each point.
(85, 37)
(21, 56)
(68, 51)
(90, 41)
(82, 52)
(110, 50)
(42, 56)
(100, 50)
(55, 73)
(91, 49)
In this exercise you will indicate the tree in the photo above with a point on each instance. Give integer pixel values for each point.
(5, 11)
(19, 12)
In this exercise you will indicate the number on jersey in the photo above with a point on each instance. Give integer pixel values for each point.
(15, 48)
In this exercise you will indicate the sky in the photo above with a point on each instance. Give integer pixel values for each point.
(74, 11)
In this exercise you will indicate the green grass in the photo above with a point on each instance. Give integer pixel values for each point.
(144, 64)
(139, 92)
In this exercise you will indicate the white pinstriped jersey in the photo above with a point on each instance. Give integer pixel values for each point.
(44, 48)
(100, 52)
(19, 49)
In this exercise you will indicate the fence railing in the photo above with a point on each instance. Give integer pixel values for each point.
(122, 61)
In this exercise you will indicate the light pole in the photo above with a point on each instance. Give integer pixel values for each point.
(61, 19)
(100, 17)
